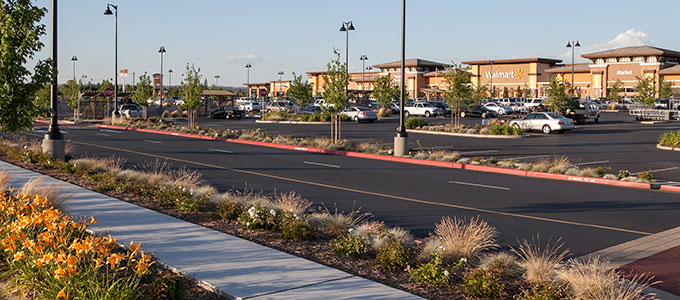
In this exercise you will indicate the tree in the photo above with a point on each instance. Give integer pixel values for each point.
(104, 85)
(479, 93)
(558, 100)
(300, 90)
(666, 90)
(614, 90)
(335, 80)
(20, 32)
(646, 87)
(506, 93)
(143, 92)
(71, 90)
(385, 90)
(458, 89)
(191, 92)
(526, 92)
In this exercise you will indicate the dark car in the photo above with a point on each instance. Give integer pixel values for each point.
(310, 109)
(443, 106)
(478, 111)
(227, 112)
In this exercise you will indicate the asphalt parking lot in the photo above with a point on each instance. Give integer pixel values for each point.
(618, 141)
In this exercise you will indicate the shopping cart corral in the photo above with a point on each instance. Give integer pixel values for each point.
(654, 114)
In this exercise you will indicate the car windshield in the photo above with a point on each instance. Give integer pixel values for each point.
(555, 115)
(364, 109)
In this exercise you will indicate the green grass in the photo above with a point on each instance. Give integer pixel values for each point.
(670, 139)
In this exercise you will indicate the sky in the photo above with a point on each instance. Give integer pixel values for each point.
(221, 36)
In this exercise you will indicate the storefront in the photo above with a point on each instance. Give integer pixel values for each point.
(516, 76)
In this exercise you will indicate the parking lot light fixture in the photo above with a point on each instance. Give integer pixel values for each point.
(346, 28)
(363, 59)
(248, 66)
(401, 139)
(573, 45)
(53, 142)
(160, 91)
(108, 12)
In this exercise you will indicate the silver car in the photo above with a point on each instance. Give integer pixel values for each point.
(543, 121)
(360, 113)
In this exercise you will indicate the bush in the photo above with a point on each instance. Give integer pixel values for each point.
(349, 246)
(646, 175)
(670, 139)
(504, 129)
(413, 123)
(190, 204)
(546, 291)
(464, 238)
(432, 272)
(294, 228)
(228, 210)
(258, 217)
(623, 174)
(483, 283)
(393, 255)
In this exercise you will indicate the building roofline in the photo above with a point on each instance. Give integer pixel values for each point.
(632, 51)
(512, 61)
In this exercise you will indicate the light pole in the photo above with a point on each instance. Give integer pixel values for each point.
(349, 26)
(493, 92)
(53, 142)
(170, 80)
(363, 59)
(280, 79)
(108, 12)
(217, 80)
(401, 139)
(74, 60)
(248, 66)
(161, 51)
(572, 45)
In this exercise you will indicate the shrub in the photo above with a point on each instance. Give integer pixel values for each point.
(413, 123)
(623, 174)
(229, 210)
(393, 255)
(336, 223)
(646, 175)
(294, 228)
(190, 204)
(504, 262)
(483, 283)
(601, 171)
(544, 291)
(432, 272)
(257, 217)
(540, 264)
(165, 115)
(291, 202)
(542, 165)
(349, 246)
(465, 239)
(504, 129)
(670, 139)
(52, 192)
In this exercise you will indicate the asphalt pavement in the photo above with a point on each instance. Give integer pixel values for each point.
(588, 217)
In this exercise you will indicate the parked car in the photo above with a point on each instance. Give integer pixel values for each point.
(672, 104)
(518, 108)
(443, 106)
(478, 111)
(582, 110)
(546, 122)
(322, 103)
(394, 107)
(500, 109)
(421, 108)
(227, 112)
(360, 113)
(130, 111)
(276, 106)
(532, 104)
(247, 104)
(310, 109)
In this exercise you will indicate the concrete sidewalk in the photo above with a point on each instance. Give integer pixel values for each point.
(238, 268)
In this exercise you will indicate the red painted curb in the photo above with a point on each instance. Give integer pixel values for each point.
(407, 160)
(48, 123)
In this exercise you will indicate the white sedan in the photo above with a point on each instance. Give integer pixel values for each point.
(499, 108)
(360, 113)
(543, 121)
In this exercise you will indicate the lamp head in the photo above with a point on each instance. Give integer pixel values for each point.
(74, 58)
(577, 44)
(351, 26)
(568, 44)
(342, 28)
(162, 49)
(108, 11)
(248, 66)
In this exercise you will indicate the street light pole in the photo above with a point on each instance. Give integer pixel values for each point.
(363, 59)
(77, 116)
(346, 27)
(108, 12)
(572, 45)
(217, 80)
(401, 139)
(248, 66)
(53, 141)
(170, 80)
(161, 51)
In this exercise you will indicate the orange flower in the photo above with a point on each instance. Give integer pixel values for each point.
(71, 260)
(114, 259)
(134, 247)
(63, 293)
(71, 271)
(59, 273)
(19, 255)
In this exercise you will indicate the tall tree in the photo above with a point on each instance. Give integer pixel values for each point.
(506, 93)
(143, 92)
(458, 89)
(191, 92)
(479, 93)
(20, 32)
(646, 87)
(666, 90)
(335, 80)
(558, 100)
(71, 91)
(385, 90)
(614, 91)
(300, 90)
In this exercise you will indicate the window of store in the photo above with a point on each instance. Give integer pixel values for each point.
(639, 59)
(611, 60)
(651, 59)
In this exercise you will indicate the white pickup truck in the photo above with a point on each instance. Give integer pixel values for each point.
(130, 111)
(421, 109)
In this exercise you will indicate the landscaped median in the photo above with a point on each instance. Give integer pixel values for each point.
(496, 130)
(669, 141)
(557, 168)
(460, 259)
(290, 118)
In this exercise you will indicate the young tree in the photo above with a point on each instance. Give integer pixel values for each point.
(42, 97)
(143, 92)
(20, 32)
(646, 87)
(335, 80)
(506, 93)
(458, 89)
(614, 90)
(526, 92)
(71, 90)
(666, 90)
(385, 90)
(479, 93)
(191, 92)
(300, 90)
(558, 100)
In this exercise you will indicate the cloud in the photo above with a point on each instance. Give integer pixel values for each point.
(630, 37)
(238, 59)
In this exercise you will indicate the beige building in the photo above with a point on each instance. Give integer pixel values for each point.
(515, 75)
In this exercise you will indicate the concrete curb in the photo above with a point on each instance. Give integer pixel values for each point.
(443, 164)
(481, 136)
(660, 147)
(62, 123)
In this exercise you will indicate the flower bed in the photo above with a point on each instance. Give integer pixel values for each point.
(459, 260)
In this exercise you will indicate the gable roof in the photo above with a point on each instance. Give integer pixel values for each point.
(416, 62)
(672, 70)
(632, 51)
(512, 61)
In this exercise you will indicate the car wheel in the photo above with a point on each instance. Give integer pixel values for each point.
(516, 126)
(597, 119)
(371, 121)
(407, 114)
(356, 119)
(547, 129)
(501, 112)
(484, 115)
(462, 114)
(427, 114)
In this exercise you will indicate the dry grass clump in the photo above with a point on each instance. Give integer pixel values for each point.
(451, 157)
(51, 192)
(101, 164)
(160, 172)
(336, 223)
(542, 165)
(504, 260)
(506, 163)
(465, 239)
(248, 198)
(291, 202)
(376, 234)
(540, 264)
(367, 147)
(4, 180)
(203, 191)
(133, 175)
(559, 164)
(218, 198)
(595, 278)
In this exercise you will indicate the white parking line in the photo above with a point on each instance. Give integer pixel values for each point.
(591, 163)
(152, 141)
(222, 150)
(478, 152)
(657, 170)
(481, 185)
(527, 157)
(112, 131)
(320, 164)
(103, 134)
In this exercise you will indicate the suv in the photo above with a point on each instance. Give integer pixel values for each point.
(671, 104)
(227, 112)
(247, 104)
(421, 108)
(580, 111)
(130, 111)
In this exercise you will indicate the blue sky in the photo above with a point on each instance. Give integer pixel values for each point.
(221, 36)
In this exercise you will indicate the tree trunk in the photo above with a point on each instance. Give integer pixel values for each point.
(144, 109)
(339, 122)
(332, 131)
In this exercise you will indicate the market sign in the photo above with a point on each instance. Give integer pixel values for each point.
(519, 74)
